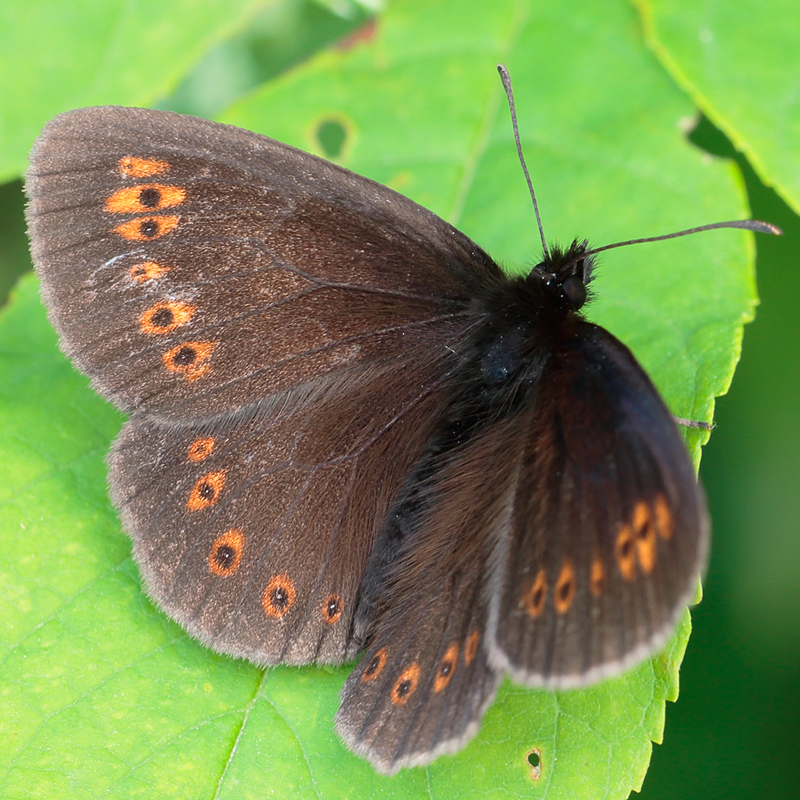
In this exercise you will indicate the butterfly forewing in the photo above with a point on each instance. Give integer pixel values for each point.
(193, 269)
(608, 534)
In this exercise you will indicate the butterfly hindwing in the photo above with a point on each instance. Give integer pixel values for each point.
(193, 269)
(425, 682)
(254, 531)
(608, 534)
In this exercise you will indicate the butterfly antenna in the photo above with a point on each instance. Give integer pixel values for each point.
(748, 224)
(506, 78)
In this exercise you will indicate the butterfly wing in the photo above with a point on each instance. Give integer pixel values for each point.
(425, 682)
(193, 268)
(254, 532)
(608, 531)
(281, 329)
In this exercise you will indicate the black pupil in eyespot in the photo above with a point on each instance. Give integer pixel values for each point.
(446, 667)
(205, 490)
(403, 688)
(184, 357)
(148, 228)
(225, 555)
(333, 607)
(162, 318)
(149, 197)
(373, 665)
(279, 597)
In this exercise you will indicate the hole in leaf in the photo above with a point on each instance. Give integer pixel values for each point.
(534, 759)
(331, 135)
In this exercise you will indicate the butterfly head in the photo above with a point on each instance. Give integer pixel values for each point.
(564, 274)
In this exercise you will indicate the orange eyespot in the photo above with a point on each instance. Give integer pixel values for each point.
(663, 518)
(375, 666)
(471, 647)
(625, 553)
(146, 271)
(200, 449)
(132, 167)
(405, 685)
(565, 588)
(189, 358)
(597, 579)
(226, 553)
(164, 317)
(332, 609)
(645, 537)
(278, 596)
(446, 668)
(206, 491)
(145, 229)
(145, 197)
(535, 597)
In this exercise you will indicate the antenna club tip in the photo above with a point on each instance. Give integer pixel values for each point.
(768, 227)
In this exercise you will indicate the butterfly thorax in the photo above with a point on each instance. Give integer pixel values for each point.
(526, 318)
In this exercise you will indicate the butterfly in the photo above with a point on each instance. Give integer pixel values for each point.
(350, 430)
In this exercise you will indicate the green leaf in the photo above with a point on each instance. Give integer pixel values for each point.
(738, 61)
(101, 695)
(57, 56)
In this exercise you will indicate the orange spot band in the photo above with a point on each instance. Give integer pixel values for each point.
(146, 197)
(145, 229)
(146, 271)
(133, 167)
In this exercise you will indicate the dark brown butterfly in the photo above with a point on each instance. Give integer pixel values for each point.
(349, 428)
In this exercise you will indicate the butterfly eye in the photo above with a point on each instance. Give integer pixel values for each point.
(575, 290)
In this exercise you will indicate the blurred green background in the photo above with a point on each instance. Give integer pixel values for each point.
(736, 728)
